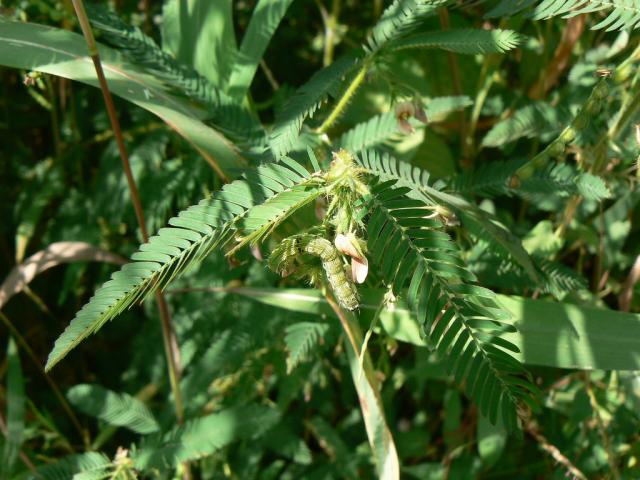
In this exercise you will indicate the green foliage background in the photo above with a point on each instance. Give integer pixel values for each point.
(527, 167)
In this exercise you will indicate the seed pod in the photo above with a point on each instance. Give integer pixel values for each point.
(568, 135)
(556, 149)
(581, 121)
(524, 172)
(601, 90)
(343, 288)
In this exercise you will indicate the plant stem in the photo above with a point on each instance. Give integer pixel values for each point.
(626, 295)
(629, 109)
(346, 97)
(606, 441)
(486, 82)
(368, 390)
(168, 335)
(443, 15)
(56, 391)
(532, 429)
(146, 8)
(331, 22)
(377, 8)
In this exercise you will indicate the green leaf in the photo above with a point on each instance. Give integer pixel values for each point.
(551, 334)
(399, 19)
(263, 198)
(91, 462)
(370, 134)
(416, 180)
(58, 52)
(264, 21)
(542, 239)
(465, 41)
(300, 339)
(15, 399)
(625, 14)
(304, 102)
(227, 116)
(460, 320)
(491, 441)
(532, 121)
(206, 435)
(117, 409)
(283, 441)
(439, 107)
(199, 33)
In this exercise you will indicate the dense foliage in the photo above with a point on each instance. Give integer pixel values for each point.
(385, 239)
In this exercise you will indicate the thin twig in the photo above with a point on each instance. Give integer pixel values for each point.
(146, 7)
(54, 387)
(443, 15)
(169, 339)
(549, 77)
(275, 86)
(611, 457)
(532, 429)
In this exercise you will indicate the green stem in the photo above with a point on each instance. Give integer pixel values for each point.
(486, 82)
(628, 111)
(367, 336)
(454, 69)
(330, 33)
(346, 97)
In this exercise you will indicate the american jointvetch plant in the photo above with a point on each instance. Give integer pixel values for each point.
(346, 210)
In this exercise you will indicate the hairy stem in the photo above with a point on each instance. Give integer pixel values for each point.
(169, 338)
(346, 98)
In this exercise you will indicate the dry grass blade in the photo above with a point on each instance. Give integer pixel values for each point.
(55, 254)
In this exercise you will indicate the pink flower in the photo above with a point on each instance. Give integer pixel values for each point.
(420, 113)
(407, 109)
(349, 245)
(404, 111)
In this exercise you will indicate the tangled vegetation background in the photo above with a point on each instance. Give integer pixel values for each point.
(405, 158)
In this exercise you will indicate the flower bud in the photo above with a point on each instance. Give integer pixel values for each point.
(349, 245)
